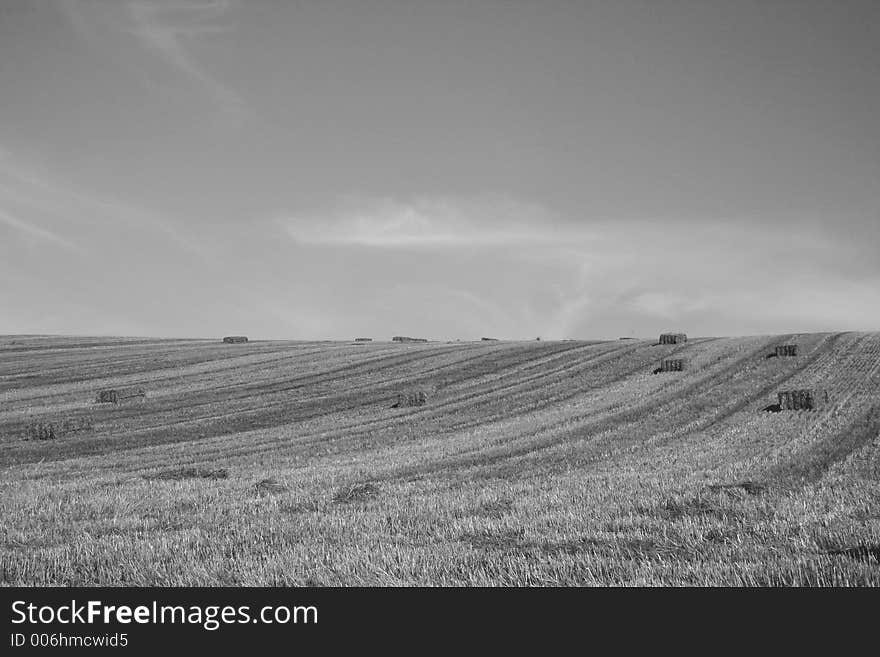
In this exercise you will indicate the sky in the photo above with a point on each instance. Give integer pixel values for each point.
(449, 170)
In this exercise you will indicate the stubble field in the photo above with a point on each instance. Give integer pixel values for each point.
(533, 463)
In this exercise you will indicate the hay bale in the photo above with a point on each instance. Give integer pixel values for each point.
(802, 400)
(117, 395)
(673, 338)
(235, 339)
(77, 424)
(786, 350)
(41, 431)
(672, 365)
(363, 339)
(409, 399)
(53, 429)
(403, 338)
(107, 397)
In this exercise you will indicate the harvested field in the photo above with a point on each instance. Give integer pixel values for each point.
(534, 463)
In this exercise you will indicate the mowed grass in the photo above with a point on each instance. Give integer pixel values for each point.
(533, 463)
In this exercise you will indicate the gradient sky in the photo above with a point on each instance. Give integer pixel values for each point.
(449, 169)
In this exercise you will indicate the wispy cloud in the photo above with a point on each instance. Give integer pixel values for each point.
(666, 305)
(562, 277)
(426, 223)
(36, 232)
(166, 28)
(31, 197)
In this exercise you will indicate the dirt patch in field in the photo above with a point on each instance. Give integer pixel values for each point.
(269, 486)
(694, 507)
(866, 553)
(301, 506)
(355, 493)
(750, 487)
(26, 544)
(494, 508)
(508, 539)
(179, 474)
(628, 548)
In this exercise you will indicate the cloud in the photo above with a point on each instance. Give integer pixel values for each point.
(164, 29)
(36, 232)
(167, 29)
(27, 191)
(666, 305)
(426, 223)
(563, 277)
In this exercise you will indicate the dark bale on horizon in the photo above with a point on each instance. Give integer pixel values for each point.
(403, 338)
(673, 338)
(235, 339)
